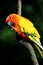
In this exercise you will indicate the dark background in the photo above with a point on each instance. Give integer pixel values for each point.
(11, 52)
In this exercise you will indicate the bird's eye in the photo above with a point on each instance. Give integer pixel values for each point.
(10, 18)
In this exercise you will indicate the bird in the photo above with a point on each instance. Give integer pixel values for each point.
(26, 29)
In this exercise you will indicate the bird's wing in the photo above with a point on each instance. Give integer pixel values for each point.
(28, 27)
(30, 32)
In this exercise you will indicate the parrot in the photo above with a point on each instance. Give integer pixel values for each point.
(26, 29)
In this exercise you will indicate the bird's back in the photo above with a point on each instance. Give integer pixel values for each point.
(27, 26)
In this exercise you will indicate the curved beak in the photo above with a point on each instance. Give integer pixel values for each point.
(9, 23)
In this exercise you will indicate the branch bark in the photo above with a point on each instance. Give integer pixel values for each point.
(19, 7)
(31, 50)
(27, 45)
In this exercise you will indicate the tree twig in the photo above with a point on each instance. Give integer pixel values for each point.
(19, 7)
(27, 45)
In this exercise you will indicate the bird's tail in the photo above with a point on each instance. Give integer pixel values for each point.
(37, 44)
(39, 50)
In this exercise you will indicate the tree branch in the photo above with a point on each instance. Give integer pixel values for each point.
(19, 7)
(31, 50)
(27, 45)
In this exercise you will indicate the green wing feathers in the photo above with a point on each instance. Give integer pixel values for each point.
(40, 51)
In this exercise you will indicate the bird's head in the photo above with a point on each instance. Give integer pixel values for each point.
(12, 20)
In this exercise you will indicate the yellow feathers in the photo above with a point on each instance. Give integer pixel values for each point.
(28, 26)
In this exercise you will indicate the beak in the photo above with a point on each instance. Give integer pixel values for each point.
(9, 23)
